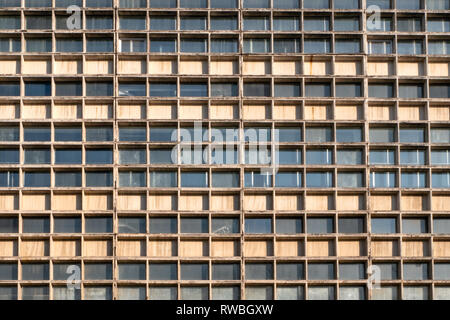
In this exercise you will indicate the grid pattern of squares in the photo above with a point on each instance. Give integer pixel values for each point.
(98, 180)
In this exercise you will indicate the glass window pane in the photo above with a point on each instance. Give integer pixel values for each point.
(36, 134)
(35, 293)
(385, 135)
(194, 225)
(351, 225)
(319, 179)
(226, 271)
(98, 271)
(289, 226)
(254, 4)
(258, 225)
(321, 271)
(225, 225)
(346, 24)
(99, 179)
(8, 271)
(225, 180)
(36, 179)
(258, 271)
(316, 23)
(384, 225)
(194, 271)
(320, 225)
(381, 156)
(290, 271)
(132, 225)
(163, 293)
(9, 179)
(132, 271)
(163, 225)
(194, 179)
(349, 157)
(98, 225)
(36, 225)
(225, 293)
(67, 225)
(415, 271)
(97, 293)
(259, 293)
(9, 225)
(380, 90)
(315, 4)
(163, 45)
(35, 271)
(352, 293)
(68, 179)
(440, 135)
(163, 179)
(414, 225)
(352, 271)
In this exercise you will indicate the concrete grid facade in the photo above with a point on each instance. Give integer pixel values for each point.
(356, 101)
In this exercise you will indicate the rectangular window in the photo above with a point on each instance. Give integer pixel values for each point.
(410, 91)
(289, 226)
(36, 133)
(290, 271)
(39, 44)
(414, 225)
(286, 45)
(347, 46)
(438, 157)
(194, 225)
(163, 89)
(408, 4)
(36, 225)
(10, 22)
(194, 179)
(441, 47)
(380, 46)
(383, 179)
(68, 156)
(284, 4)
(409, 25)
(379, 90)
(9, 156)
(388, 271)
(131, 225)
(99, 156)
(68, 179)
(98, 3)
(193, 4)
(258, 225)
(72, 88)
(321, 293)
(132, 179)
(132, 271)
(99, 179)
(225, 180)
(382, 4)
(346, 24)
(37, 156)
(352, 271)
(316, 23)
(9, 225)
(194, 45)
(132, 89)
(36, 179)
(346, 4)
(132, 156)
(256, 23)
(8, 271)
(225, 225)
(412, 135)
(384, 225)
(223, 4)
(256, 45)
(317, 89)
(10, 3)
(66, 225)
(256, 4)
(409, 47)
(98, 271)
(321, 271)
(258, 271)
(35, 89)
(348, 135)
(104, 88)
(39, 21)
(98, 225)
(192, 23)
(10, 45)
(99, 45)
(223, 23)
(316, 4)
(288, 180)
(133, 45)
(378, 157)
(163, 23)
(319, 225)
(226, 271)
(348, 90)
(163, 271)
(193, 90)
(285, 24)
(133, 3)
(440, 180)
(163, 45)
(35, 271)
(69, 45)
(350, 180)
(440, 90)
(289, 156)
(384, 135)
(256, 179)
(102, 133)
(98, 22)
(349, 157)
(412, 157)
(163, 179)
(9, 179)
(9, 133)
(224, 89)
(351, 225)
(441, 271)
(132, 22)
(224, 45)
(319, 156)
(257, 89)
(415, 271)
(438, 25)
(316, 45)
(440, 135)
(438, 5)
(163, 225)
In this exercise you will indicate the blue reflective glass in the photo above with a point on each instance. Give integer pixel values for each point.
(319, 179)
(9, 179)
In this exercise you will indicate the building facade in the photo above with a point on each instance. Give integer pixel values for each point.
(224, 149)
